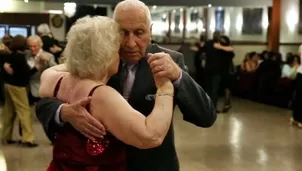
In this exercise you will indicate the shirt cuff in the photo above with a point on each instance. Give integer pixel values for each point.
(57, 116)
(177, 82)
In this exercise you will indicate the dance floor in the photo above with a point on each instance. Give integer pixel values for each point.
(251, 137)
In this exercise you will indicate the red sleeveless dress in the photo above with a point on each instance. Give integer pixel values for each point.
(74, 152)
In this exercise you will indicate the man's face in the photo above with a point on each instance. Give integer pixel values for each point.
(34, 47)
(137, 34)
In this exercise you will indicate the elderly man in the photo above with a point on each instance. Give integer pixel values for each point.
(139, 61)
(37, 58)
(50, 44)
(37, 55)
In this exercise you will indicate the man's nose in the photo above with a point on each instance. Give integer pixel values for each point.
(131, 41)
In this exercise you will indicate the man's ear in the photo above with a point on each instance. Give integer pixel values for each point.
(150, 36)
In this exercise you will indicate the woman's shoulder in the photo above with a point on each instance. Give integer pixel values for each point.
(105, 92)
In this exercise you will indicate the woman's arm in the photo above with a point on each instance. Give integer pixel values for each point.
(251, 67)
(224, 48)
(129, 125)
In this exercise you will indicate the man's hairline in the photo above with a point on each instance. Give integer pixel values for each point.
(146, 14)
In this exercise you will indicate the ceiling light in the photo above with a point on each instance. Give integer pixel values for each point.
(55, 11)
(70, 9)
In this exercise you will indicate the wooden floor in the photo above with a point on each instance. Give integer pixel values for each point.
(252, 137)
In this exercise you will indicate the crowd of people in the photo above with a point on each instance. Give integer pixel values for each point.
(23, 60)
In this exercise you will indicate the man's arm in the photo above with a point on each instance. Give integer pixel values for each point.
(50, 111)
(46, 110)
(195, 105)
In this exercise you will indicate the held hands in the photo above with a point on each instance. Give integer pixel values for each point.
(77, 115)
(163, 84)
(162, 65)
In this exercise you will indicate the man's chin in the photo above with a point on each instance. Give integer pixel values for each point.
(132, 58)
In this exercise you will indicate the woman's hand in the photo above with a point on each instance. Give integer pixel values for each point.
(163, 84)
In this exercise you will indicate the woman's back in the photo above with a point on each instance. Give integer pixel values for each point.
(74, 151)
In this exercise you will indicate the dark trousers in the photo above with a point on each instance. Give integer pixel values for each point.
(212, 83)
(297, 102)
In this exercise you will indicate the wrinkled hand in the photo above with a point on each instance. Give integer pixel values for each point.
(162, 65)
(8, 69)
(81, 120)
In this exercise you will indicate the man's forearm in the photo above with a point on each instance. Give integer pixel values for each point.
(195, 105)
(46, 111)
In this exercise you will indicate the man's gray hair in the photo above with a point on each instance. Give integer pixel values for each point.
(35, 38)
(43, 29)
(126, 4)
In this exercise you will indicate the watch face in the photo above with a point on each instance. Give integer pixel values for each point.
(57, 21)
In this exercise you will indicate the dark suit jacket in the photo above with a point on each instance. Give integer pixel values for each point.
(22, 71)
(193, 102)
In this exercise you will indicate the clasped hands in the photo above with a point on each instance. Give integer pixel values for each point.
(162, 66)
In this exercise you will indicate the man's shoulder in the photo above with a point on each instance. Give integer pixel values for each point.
(172, 53)
(47, 53)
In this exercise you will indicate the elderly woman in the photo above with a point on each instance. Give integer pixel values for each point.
(92, 57)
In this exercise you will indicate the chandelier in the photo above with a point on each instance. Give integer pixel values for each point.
(70, 9)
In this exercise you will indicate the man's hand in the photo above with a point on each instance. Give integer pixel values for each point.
(162, 65)
(81, 120)
(8, 69)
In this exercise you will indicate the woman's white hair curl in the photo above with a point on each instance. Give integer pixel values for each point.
(92, 45)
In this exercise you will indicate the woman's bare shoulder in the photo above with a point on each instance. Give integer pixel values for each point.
(107, 93)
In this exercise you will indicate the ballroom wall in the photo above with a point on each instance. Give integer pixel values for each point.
(289, 37)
